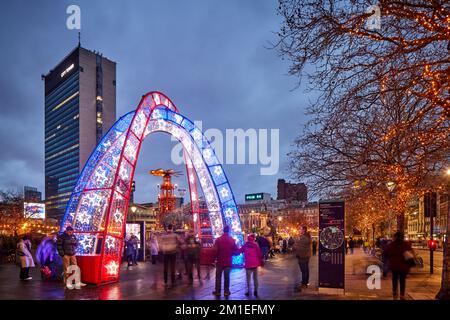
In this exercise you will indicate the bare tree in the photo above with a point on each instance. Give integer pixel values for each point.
(11, 209)
(382, 114)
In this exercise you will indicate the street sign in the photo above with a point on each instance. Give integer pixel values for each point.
(332, 244)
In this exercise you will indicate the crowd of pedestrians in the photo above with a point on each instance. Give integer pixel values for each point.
(182, 254)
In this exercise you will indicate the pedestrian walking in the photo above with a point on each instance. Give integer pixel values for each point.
(351, 245)
(26, 258)
(192, 256)
(290, 244)
(366, 246)
(169, 243)
(66, 244)
(400, 257)
(314, 247)
(129, 252)
(263, 244)
(225, 247)
(253, 259)
(47, 256)
(154, 248)
(303, 254)
(135, 241)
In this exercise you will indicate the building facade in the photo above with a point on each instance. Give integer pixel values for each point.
(31, 194)
(80, 107)
(291, 192)
(418, 225)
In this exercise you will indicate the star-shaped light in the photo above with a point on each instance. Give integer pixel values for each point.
(191, 177)
(207, 153)
(112, 268)
(218, 170)
(110, 242)
(178, 118)
(224, 192)
(236, 226)
(123, 173)
(86, 243)
(203, 181)
(195, 217)
(83, 218)
(156, 114)
(229, 213)
(197, 135)
(193, 196)
(209, 197)
(118, 216)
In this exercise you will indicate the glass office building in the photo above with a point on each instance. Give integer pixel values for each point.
(80, 106)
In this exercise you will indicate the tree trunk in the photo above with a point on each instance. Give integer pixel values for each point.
(401, 222)
(444, 292)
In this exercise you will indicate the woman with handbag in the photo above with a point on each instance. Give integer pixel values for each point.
(400, 257)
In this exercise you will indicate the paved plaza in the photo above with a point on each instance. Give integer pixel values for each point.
(277, 282)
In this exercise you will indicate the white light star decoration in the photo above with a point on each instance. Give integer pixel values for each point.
(156, 114)
(178, 118)
(112, 268)
(110, 243)
(192, 177)
(118, 216)
(193, 196)
(123, 172)
(87, 243)
(207, 154)
(229, 213)
(235, 225)
(224, 192)
(218, 171)
(83, 218)
(209, 197)
(197, 135)
(203, 181)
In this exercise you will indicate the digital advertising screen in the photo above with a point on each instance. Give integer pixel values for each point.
(34, 210)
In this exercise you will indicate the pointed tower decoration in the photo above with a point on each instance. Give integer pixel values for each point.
(166, 197)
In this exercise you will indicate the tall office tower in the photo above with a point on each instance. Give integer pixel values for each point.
(80, 107)
(31, 194)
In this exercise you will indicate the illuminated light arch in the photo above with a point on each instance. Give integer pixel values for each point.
(98, 205)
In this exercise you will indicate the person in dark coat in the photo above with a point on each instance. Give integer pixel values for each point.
(314, 247)
(303, 254)
(398, 264)
(351, 245)
(67, 244)
(192, 256)
(264, 245)
(129, 252)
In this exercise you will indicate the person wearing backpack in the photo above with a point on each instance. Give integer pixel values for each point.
(400, 258)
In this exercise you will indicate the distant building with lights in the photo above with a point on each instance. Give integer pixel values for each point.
(80, 107)
(291, 192)
(31, 194)
(418, 223)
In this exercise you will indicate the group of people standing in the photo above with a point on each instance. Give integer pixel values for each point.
(50, 252)
(131, 250)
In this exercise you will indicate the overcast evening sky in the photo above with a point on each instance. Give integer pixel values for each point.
(210, 57)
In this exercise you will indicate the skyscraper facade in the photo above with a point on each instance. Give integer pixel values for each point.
(80, 107)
